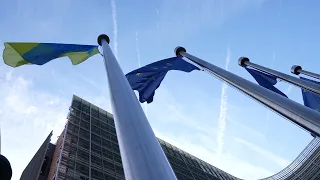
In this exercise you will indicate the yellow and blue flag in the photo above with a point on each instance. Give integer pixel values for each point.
(16, 54)
(265, 80)
(148, 78)
(311, 99)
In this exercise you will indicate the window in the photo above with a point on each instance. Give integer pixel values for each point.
(73, 119)
(83, 169)
(83, 143)
(108, 166)
(105, 134)
(73, 128)
(106, 143)
(96, 174)
(85, 108)
(95, 138)
(85, 116)
(111, 122)
(71, 164)
(75, 112)
(107, 154)
(76, 104)
(119, 169)
(114, 138)
(85, 125)
(83, 156)
(94, 113)
(113, 130)
(72, 152)
(103, 119)
(96, 149)
(73, 139)
(108, 177)
(95, 122)
(117, 158)
(96, 161)
(115, 148)
(95, 130)
(84, 134)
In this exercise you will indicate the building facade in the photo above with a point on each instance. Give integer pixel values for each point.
(39, 166)
(88, 149)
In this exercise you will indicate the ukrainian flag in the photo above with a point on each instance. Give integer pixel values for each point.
(16, 54)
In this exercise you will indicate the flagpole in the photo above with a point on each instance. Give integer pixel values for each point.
(244, 61)
(141, 153)
(298, 70)
(293, 111)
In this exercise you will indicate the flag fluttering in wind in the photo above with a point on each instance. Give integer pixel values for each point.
(265, 80)
(311, 99)
(16, 54)
(148, 78)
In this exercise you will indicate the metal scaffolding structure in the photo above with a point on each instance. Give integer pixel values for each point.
(91, 150)
(88, 149)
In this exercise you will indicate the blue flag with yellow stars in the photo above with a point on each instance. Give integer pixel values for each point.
(265, 80)
(148, 78)
(311, 99)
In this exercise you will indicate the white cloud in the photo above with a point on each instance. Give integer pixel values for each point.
(115, 27)
(223, 111)
(139, 65)
(288, 91)
(27, 15)
(181, 128)
(231, 164)
(8, 75)
(27, 118)
(277, 160)
(205, 13)
(138, 50)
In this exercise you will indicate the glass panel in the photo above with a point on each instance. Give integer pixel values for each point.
(94, 113)
(82, 169)
(84, 134)
(108, 166)
(95, 122)
(96, 149)
(95, 138)
(85, 125)
(85, 116)
(107, 154)
(83, 156)
(106, 143)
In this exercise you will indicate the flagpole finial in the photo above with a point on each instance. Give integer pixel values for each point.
(242, 61)
(103, 36)
(178, 50)
(295, 69)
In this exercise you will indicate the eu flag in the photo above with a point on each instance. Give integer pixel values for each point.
(148, 78)
(311, 99)
(265, 80)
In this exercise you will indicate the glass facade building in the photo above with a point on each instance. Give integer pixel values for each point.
(88, 149)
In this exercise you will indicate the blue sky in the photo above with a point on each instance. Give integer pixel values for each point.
(193, 111)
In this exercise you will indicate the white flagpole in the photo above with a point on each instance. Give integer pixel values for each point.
(298, 69)
(141, 153)
(291, 110)
(315, 88)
